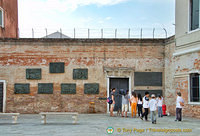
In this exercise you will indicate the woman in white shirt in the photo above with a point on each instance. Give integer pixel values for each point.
(160, 102)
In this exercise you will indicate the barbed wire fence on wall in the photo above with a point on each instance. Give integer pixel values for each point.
(125, 33)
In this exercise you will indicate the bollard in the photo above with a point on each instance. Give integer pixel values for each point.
(91, 107)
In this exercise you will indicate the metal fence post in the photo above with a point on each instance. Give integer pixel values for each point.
(153, 32)
(102, 33)
(32, 33)
(88, 33)
(46, 32)
(165, 32)
(129, 33)
(74, 33)
(60, 33)
(115, 33)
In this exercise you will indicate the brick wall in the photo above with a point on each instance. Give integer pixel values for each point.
(18, 55)
(177, 71)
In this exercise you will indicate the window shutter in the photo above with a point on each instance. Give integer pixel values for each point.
(1, 17)
(195, 5)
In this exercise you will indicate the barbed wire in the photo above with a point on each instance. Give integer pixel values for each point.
(96, 33)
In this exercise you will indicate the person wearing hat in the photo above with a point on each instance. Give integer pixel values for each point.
(152, 107)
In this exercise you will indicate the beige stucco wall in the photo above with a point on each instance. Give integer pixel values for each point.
(183, 35)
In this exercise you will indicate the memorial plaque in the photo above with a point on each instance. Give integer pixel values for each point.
(21, 88)
(45, 88)
(92, 88)
(57, 67)
(33, 74)
(156, 92)
(148, 78)
(80, 74)
(68, 88)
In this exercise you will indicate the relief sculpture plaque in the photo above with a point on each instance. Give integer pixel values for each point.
(57, 67)
(80, 74)
(21, 88)
(45, 88)
(68, 88)
(91, 88)
(33, 74)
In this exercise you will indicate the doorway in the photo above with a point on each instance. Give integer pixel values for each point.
(119, 84)
(2, 95)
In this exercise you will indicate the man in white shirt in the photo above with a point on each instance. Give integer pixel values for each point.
(152, 107)
(179, 104)
(145, 106)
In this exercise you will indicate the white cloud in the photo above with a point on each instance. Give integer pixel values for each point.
(48, 10)
(66, 5)
(40, 14)
(56, 14)
(108, 18)
(157, 1)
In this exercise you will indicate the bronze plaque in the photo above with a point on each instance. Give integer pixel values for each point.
(80, 74)
(45, 88)
(34, 74)
(148, 78)
(57, 67)
(68, 88)
(91, 88)
(21, 88)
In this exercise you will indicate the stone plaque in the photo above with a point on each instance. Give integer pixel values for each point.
(91, 88)
(68, 88)
(45, 88)
(142, 92)
(21, 88)
(33, 74)
(57, 67)
(81, 74)
(148, 78)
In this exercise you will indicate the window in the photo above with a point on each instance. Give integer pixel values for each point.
(1, 17)
(194, 14)
(194, 87)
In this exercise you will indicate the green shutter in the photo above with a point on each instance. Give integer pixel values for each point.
(1, 17)
(195, 5)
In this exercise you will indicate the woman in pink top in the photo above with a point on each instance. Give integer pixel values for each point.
(134, 101)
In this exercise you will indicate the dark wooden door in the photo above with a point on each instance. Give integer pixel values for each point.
(1, 97)
(119, 84)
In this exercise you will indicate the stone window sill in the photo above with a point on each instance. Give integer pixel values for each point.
(194, 103)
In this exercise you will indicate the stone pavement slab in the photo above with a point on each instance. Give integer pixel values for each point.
(96, 125)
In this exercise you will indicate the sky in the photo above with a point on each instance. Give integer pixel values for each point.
(95, 14)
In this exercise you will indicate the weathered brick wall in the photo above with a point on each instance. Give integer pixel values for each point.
(183, 65)
(17, 55)
(170, 91)
(177, 79)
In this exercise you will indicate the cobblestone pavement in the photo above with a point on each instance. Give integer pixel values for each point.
(96, 125)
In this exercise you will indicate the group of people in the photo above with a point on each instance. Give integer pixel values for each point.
(147, 103)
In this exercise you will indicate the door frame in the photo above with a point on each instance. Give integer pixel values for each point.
(4, 95)
(108, 87)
